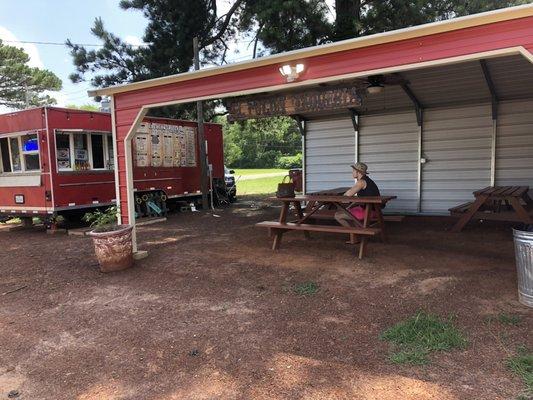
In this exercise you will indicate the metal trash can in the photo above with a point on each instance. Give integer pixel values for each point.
(523, 245)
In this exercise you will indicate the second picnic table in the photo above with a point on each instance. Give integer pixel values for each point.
(368, 227)
(501, 203)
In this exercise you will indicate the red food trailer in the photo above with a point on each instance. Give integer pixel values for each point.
(58, 161)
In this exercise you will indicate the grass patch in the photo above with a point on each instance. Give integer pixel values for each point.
(247, 172)
(306, 288)
(522, 365)
(415, 338)
(508, 319)
(258, 186)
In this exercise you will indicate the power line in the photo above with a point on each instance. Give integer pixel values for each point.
(63, 44)
(50, 43)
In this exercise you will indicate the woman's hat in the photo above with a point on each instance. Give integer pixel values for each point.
(361, 167)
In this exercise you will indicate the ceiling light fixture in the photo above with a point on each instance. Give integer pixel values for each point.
(291, 72)
(374, 88)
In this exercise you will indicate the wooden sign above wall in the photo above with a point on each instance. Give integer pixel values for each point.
(293, 103)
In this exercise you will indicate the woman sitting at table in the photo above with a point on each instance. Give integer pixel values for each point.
(364, 187)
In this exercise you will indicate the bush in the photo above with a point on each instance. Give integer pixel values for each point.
(290, 162)
(100, 218)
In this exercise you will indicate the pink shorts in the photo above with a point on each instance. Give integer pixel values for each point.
(359, 213)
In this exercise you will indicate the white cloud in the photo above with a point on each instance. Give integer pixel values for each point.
(133, 40)
(30, 49)
(61, 98)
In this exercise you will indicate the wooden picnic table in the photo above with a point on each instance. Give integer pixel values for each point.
(340, 203)
(501, 203)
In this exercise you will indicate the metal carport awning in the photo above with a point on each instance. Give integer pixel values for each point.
(499, 33)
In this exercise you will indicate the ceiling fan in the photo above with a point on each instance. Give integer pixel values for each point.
(375, 83)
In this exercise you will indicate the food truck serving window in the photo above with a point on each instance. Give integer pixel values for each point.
(30, 151)
(20, 153)
(82, 151)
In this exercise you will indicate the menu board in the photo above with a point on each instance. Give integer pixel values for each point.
(190, 146)
(176, 149)
(156, 148)
(165, 145)
(141, 149)
(168, 146)
(183, 147)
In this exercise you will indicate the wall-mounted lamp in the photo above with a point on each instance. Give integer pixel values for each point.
(291, 72)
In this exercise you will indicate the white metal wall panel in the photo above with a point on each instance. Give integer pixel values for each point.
(329, 151)
(451, 84)
(388, 144)
(514, 144)
(457, 144)
(512, 76)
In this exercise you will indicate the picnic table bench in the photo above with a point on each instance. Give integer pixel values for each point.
(500, 203)
(340, 203)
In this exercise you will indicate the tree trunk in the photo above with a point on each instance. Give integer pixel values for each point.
(347, 19)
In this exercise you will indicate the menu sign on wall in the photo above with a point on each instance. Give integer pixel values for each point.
(164, 145)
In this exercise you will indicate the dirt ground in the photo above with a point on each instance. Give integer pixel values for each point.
(212, 314)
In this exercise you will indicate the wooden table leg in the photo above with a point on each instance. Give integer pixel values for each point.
(309, 206)
(300, 214)
(520, 211)
(527, 199)
(362, 245)
(283, 213)
(277, 239)
(467, 216)
(278, 233)
(381, 222)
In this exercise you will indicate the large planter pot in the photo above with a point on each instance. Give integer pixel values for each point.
(113, 247)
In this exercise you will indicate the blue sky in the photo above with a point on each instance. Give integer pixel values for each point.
(57, 20)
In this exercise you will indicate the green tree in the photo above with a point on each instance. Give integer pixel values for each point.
(348, 19)
(277, 25)
(172, 24)
(386, 15)
(283, 25)
(22, 85)
(260, 143)
(84, 107)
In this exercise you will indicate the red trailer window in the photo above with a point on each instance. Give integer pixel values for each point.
(110, 152)
(97, 151)
(30, 151)
(82, 151)
(4, 155)
(16, 165)
(20, 153)
(63, 151)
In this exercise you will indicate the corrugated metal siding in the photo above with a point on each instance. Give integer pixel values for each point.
(388, 143)
(457, 144)
(449, 84)
(514, 144)
(512, 76)
(329, 151)
(391, 98)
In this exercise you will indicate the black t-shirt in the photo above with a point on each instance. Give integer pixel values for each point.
(370, 190)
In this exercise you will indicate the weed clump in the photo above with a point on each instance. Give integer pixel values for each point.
(415, 338)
